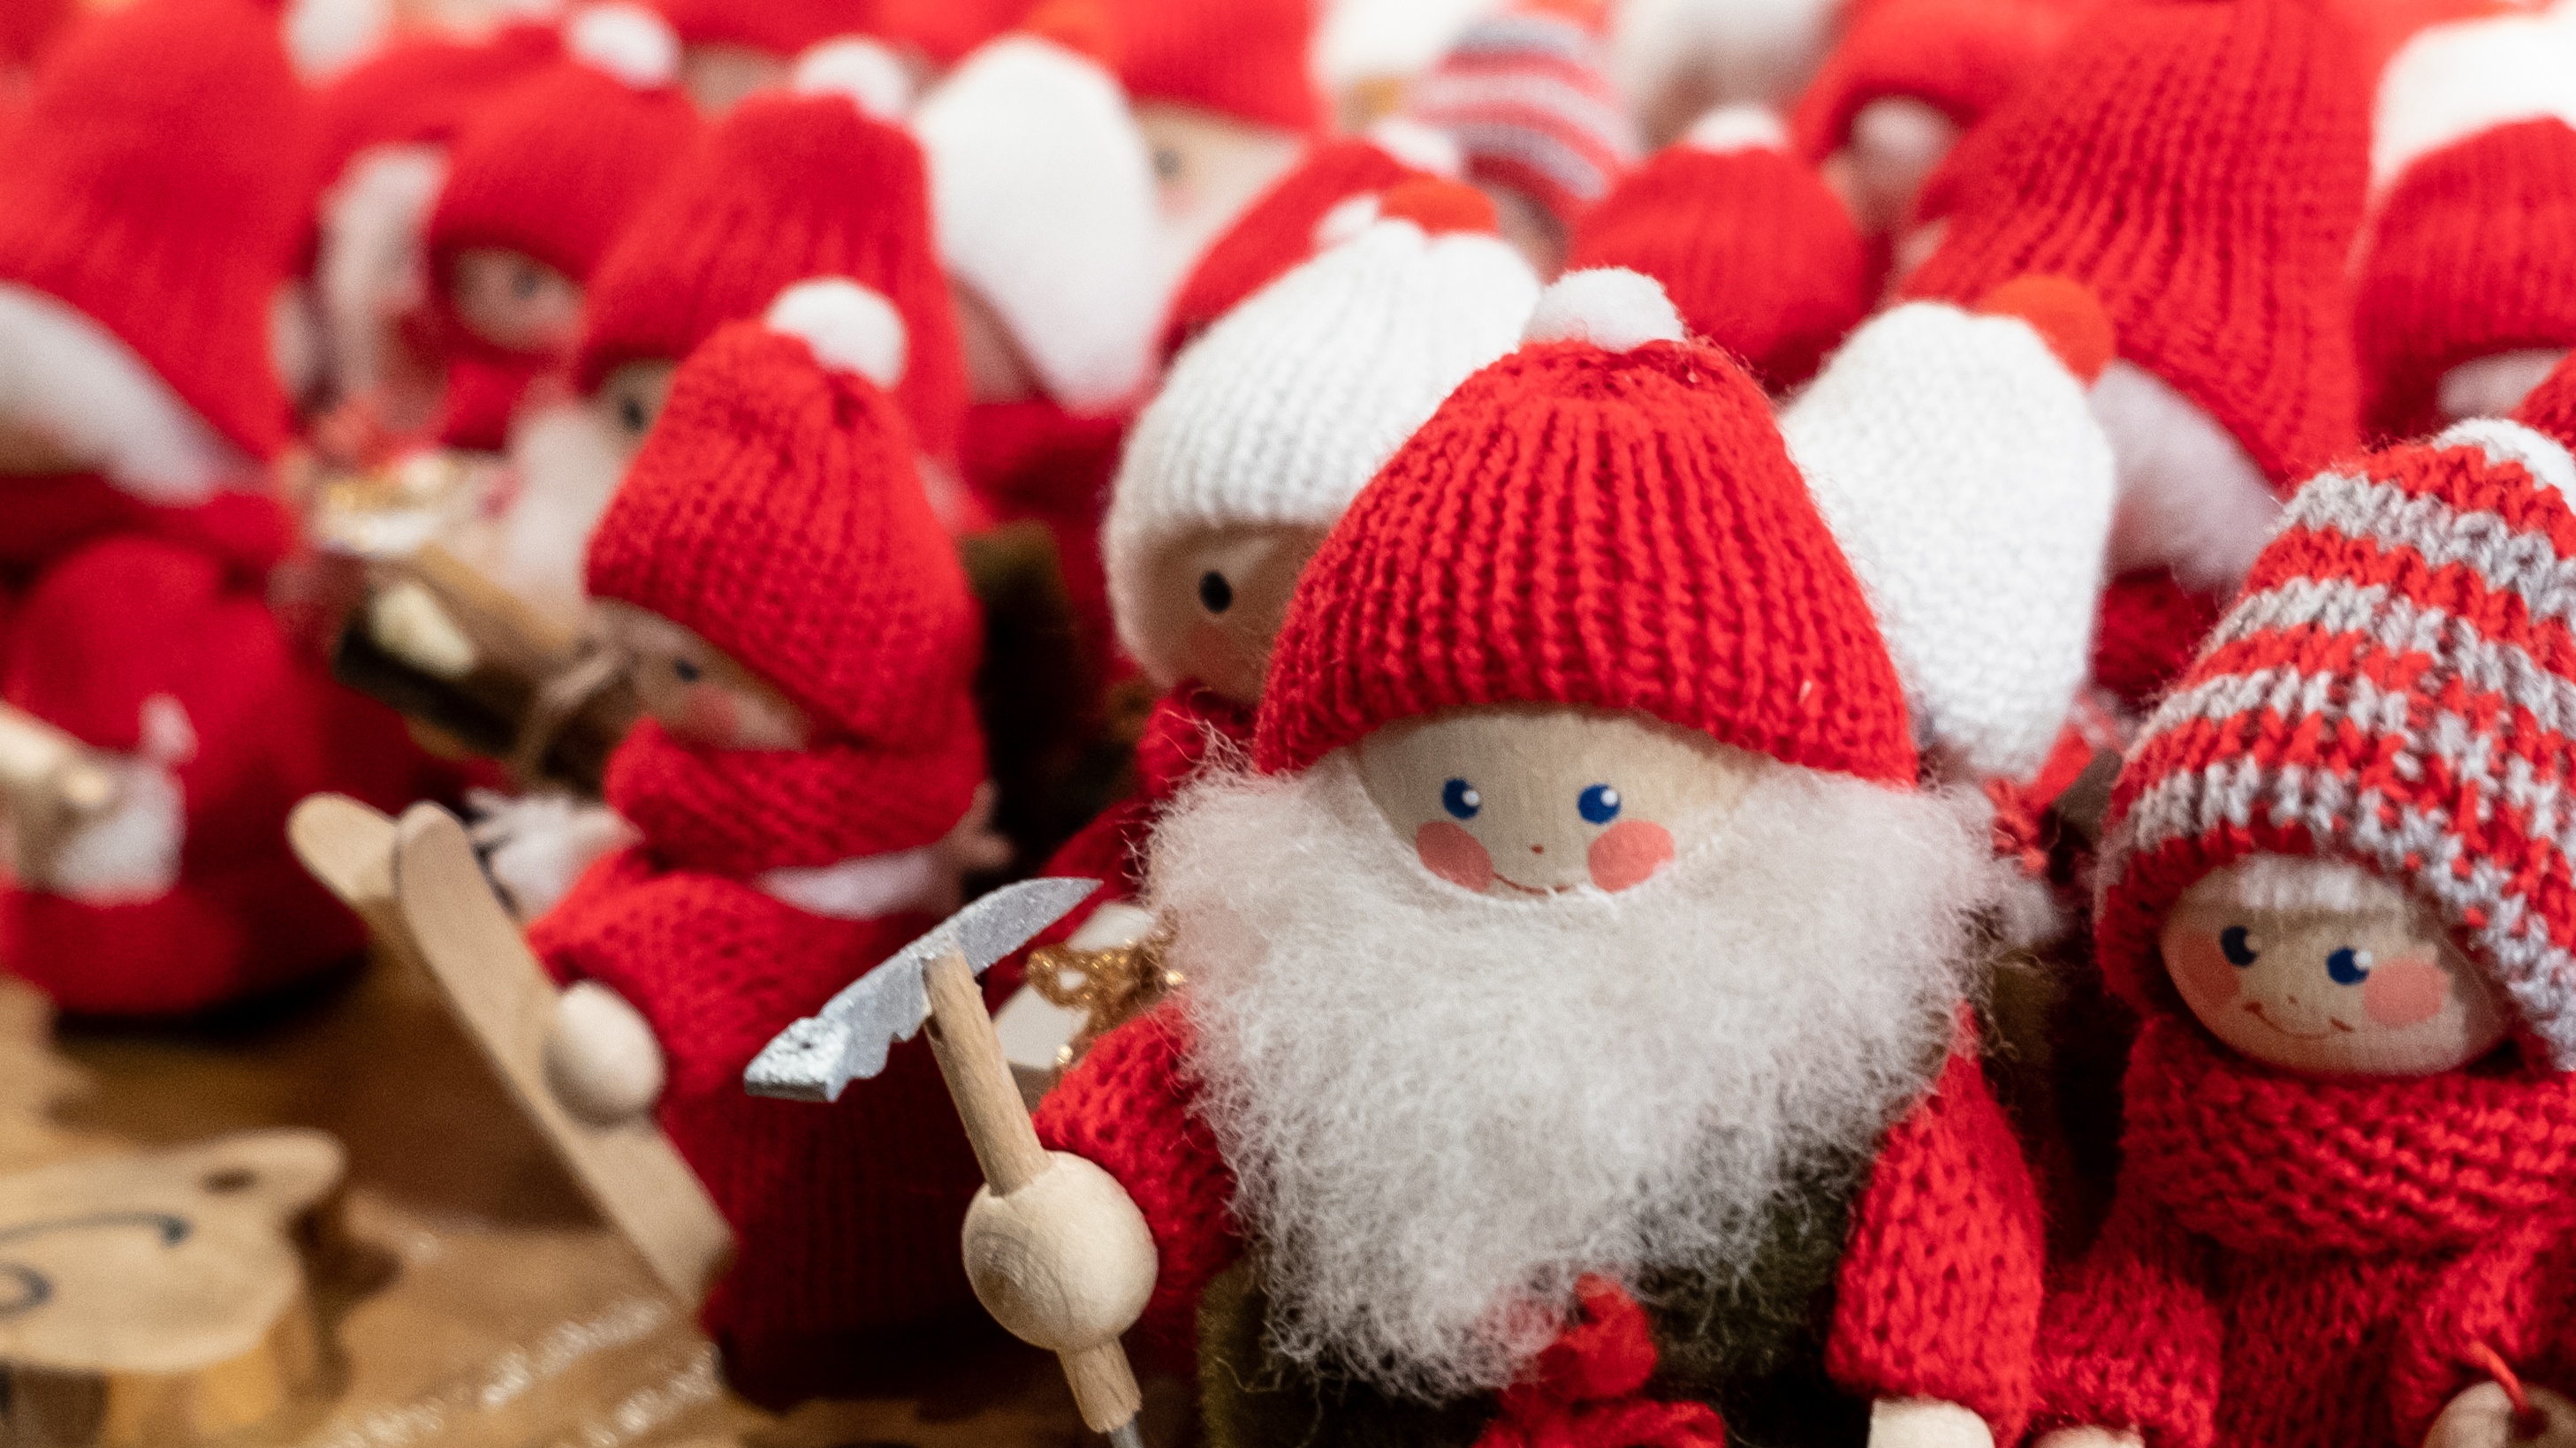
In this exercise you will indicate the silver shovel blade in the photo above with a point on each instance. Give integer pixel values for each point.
(814, 1059)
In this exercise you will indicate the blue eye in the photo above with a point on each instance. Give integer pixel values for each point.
(2232, 944)
(2348, 966)
(1460, 799)
(1599, 804)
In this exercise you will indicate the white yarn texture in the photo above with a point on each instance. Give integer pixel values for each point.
(2452, 81)
(1970, 487)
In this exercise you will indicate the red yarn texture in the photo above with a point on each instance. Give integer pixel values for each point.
(780, 27)
(2201, 168)
(422, 90)
(2279, 1244)
(1947, 1230)
(2474, 253)
(1035, 460)
(1756, 253)
(1963, 58)
(482, 395)
(1242, 59)
(2146, 632)
(786, 188)
(1585, 1390)
(160, 183)
(1573, 526)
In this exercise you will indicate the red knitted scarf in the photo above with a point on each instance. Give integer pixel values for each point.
(1188, 724)
(740, 812)
(2260, 1161)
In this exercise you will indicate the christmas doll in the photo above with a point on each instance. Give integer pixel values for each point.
(1265, 430)
(2336, 891)
(1571, 1049)
(731, 49)
(2467, 296)
(538, 186)
(2199, 165)
(1676, 60)
(806, 791)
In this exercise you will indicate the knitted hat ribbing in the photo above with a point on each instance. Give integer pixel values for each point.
(788, 186)
(1290, 403)
(1758, 254)
(2200, 167)
(1606, 517)
(159, 184)
(1524, 96)
(1246, 59)
(2392, 688)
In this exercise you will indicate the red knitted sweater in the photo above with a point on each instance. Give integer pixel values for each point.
(1939, 1292)
(847, 1214)
(2301, 1262)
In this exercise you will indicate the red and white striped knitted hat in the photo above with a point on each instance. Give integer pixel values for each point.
(1524, 96)
(1606, 517)
(2396, 687)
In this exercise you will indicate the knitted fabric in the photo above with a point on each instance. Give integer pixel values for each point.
(846, 1216)
(1575, 526)
(946, 31)
(1960, 57)
(787, 187)
(1524, 96)
(173, 602)
(779, 27)
(2146, 633)
(1947, 1224)
(2551, 407)
(1244, 59)
(2471, 256)
(775, 510)
(2388, 689)
(481, 397)
(1961, 469)
(29, 28)
(741, 812)
(1760, 257)
(423, 89)
(1276, 232)
(2199, 166)
(159, 184)
(555, 167)
(1286, 408)
(1035, 460)
(2274, 1234)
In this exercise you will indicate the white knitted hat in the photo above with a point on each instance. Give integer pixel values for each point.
(1042, 190)
(2452, 81)
(1294, 399)
(1959, 466)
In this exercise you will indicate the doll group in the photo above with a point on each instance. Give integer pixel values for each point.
(1832, 721)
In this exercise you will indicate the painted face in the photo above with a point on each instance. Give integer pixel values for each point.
(718, 76)
(1520, 800)
(996, 369)
(513, 300)
(696, 691)
(1895, 145)
(2365, 983)
(1207, 169)
(1215, 600)
(2493, 386)
(630, 401)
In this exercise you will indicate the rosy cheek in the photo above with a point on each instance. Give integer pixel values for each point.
(2203, 970)
(708, 716)
(1627, 852)
(1454, 855)
(2405, 992)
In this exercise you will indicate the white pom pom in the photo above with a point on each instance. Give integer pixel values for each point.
(1349, 217)
(1424, 148)
(627, 41)
(1737, 128)
(327, 37)
(1610, 307)
(859, 68)
(850, 328)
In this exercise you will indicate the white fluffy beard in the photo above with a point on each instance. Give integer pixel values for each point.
(1441, 1109)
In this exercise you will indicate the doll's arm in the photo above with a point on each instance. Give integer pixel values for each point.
(2130, 1346)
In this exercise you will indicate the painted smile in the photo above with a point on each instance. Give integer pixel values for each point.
(2255, 1009)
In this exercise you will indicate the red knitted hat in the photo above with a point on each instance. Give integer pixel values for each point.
(1277, 231)
(29, 27)
(1755, 250)
(2200, 166)
(946, 30)
(1246, 59)
(2475, 254)
(557, 164)
(1607, 517)
(776, 511)
(1960, 57)
(2391, 690)
(788, 186)
(1524, 96)
(422, 90)
(780, 27)
(159, 184)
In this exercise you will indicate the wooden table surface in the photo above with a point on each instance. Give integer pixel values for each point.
(469, 1294)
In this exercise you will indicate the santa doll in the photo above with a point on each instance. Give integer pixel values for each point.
(149, 219)
(731, 49)
(1572, 1046)
(806, 790)
(2336, 890)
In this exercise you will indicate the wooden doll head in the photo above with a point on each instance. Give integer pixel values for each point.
(514, 301)
(1215, 597)
(697, 692)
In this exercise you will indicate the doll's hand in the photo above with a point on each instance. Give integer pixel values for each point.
(2088, 1438)
(974, 846)
(2483, 1417)
(1113, 926)
(601, 1058)
(130, 851)
(1926, 1423)
(1066, 1262)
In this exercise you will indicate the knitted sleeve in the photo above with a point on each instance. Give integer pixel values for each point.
(1126, 1107)
(1941, 1282)
(2511, 1298)
(2130, 1338)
